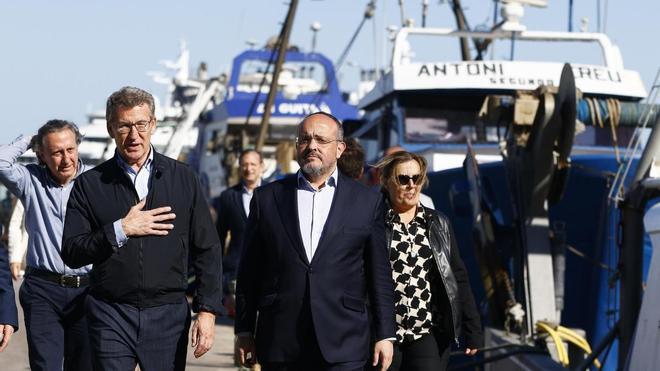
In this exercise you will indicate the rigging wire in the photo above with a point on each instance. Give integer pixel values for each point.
(589, 259)
(368, 14)
(605, 11)
(377, 48)
(271, 60)
(496, 12)
(598, 15)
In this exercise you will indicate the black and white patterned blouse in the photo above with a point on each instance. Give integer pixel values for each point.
(412, 263)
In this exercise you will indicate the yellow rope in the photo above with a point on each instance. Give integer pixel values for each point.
(559, 344)
(570, 335)
(559, 334)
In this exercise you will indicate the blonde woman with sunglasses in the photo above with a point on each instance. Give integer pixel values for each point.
(434, 305)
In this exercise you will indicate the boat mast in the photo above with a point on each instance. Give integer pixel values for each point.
(461, 22)
(425, 12)
(283, 46)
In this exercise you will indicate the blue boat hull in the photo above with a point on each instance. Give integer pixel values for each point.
(591, 224)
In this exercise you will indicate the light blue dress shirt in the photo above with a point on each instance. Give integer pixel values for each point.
(44, 201)
(246, 197)
(141, 180)
(313, 209)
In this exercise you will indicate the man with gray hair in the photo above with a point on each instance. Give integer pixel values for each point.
(53, 293)
(138, 217)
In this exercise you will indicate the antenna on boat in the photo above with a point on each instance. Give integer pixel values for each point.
(584, 24)
(251, 43)
(425, 12)
(181, 65)
(513, 11)
(315, 27)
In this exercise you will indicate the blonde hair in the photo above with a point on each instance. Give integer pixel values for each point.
(387, 167)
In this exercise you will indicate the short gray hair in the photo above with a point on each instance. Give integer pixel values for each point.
(128, 97)
(53, 126)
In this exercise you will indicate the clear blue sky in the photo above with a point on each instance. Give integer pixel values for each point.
(61, 59)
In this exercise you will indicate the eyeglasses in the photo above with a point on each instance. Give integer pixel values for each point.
(405, 179)
(306, 140)
(140, 126)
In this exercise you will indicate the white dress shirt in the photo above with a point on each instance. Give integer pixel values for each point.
(313, 209)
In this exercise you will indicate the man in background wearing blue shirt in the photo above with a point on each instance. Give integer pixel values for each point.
(233, 209)
(53, 294)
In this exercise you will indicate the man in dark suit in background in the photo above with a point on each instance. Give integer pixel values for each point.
(314, 249)
(233, 208)
(8, 313)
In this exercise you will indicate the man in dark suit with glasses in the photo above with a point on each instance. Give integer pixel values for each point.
(314, 250)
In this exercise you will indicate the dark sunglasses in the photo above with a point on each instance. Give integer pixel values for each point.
(405, 179)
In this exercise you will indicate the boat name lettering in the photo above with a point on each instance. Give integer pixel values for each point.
(595, 73)
(289, 108)
(456, 69)
(520, 81)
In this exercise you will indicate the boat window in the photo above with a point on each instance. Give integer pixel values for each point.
(295, 78)
(429, 125)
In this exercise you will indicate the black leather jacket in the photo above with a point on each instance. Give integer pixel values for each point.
(454, 293)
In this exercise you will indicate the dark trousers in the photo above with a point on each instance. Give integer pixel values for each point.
(312, 359)
(431, 352)
(55, 324)
(310, 356)
(306, 366)
(122, 335)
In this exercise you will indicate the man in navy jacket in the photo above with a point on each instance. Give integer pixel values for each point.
(315, 248)
(137, 217)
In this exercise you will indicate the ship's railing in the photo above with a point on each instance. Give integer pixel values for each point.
(611, 54)
(636, 144)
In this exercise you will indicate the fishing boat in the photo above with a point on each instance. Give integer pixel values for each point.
(206, 121)
(523, 153)
(307, 84)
